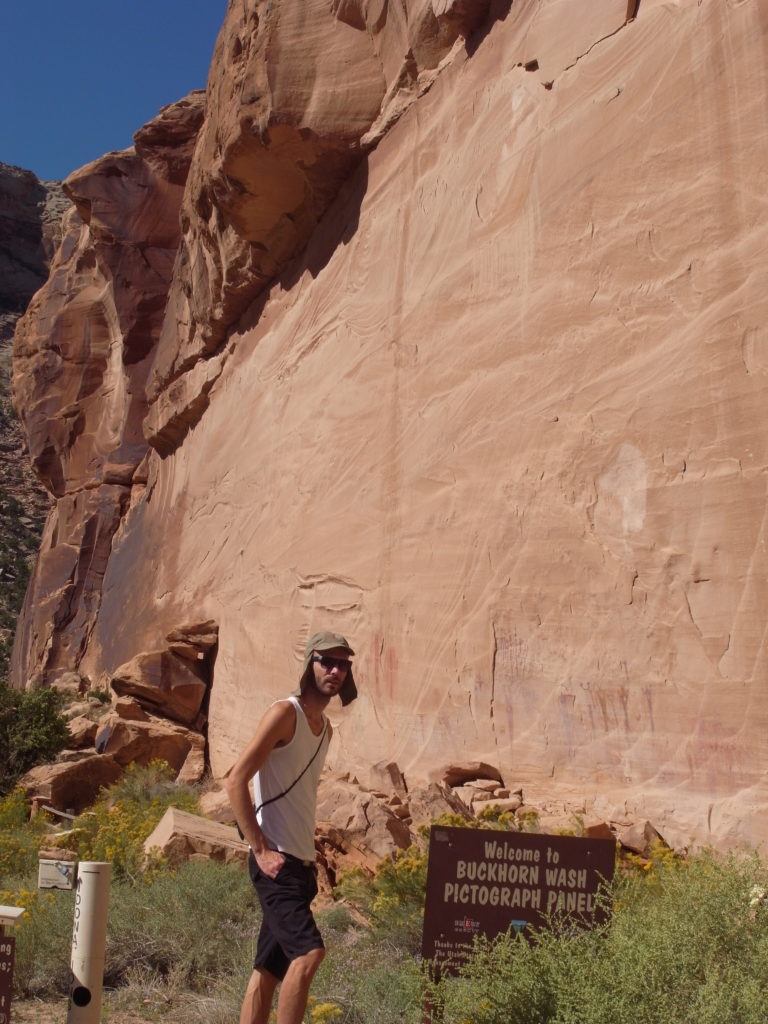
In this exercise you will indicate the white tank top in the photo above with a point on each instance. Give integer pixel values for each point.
(289, 823)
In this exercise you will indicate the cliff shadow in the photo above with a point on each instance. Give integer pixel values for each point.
(497, 11)
(336, 227)
(340, 222)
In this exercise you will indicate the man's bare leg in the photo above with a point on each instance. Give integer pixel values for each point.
(294, 989)
(258, 997)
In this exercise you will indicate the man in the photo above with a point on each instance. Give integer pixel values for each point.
(285, 758)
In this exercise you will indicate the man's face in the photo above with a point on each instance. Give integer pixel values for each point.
(330, 670)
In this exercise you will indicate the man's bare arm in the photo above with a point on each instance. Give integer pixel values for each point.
(275, 729)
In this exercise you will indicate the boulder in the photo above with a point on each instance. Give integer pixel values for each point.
(130, 709)
(485, 785)
(366, 820)
(82, 731)
(510, 803)
(386, 776)
(142, 742)
(74, 785)
(460, 773)
(194, 642)
(193, 768)
(72, 754)
(336, 854)
(466, 794)
(180, 836)
(596, 828)
(640, 838)
(56, 853)
(164, 682)
(215, 805)
(429, 802)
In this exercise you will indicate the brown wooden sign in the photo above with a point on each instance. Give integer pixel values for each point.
(7, 947)
(482, 882)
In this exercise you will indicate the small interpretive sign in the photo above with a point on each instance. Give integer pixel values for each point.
(7, 948)
(482, 882)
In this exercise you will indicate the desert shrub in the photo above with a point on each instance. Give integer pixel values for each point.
(687, 943)
(43, 938)
(101, 695)
(684, 945)
(505, 982)
(181, 929)
(19, 837)
(115, 827)
(14, 812)
(528, 820)
(366, 978)
(32, 731)
(143, 784)
(392, 898)
(190, 924)
(493, 816)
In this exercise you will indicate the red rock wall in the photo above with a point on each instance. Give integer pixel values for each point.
(82, 353)
(499, 420)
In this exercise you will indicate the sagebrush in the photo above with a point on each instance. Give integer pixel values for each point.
(687, 942)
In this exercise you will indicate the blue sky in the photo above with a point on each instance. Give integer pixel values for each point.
(78, 78)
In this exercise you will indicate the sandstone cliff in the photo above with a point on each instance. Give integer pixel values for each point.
(441, 323)
(30, 230)
(30, 217)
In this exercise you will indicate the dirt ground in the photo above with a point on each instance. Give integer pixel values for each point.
(35, 1011)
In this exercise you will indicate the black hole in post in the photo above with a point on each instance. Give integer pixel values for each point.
(81, 995)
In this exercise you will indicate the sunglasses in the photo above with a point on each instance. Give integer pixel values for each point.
(342, 664)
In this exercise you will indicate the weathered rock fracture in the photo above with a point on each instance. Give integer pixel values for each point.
(441, 324)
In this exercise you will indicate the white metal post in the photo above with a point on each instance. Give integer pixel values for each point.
(89, 940)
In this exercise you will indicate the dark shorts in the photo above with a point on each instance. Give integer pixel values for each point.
(288, 929)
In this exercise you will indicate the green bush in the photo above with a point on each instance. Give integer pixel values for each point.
(190, 925)
(392, 899)
(684, 945)
(14, 814)
(367, 978)
(182, 928)
(32, 731)
(115, 827)
(19, 837)
(687, 944)
(43, 939)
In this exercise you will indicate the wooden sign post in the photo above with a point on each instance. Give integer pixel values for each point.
(8, 918)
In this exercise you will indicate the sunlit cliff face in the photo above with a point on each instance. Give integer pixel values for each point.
(506, 293)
